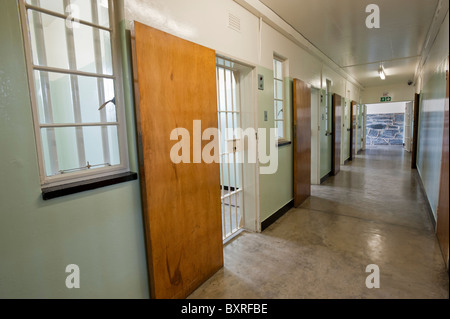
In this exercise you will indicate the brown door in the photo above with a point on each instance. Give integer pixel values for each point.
(442, 211)
(336, 159)
(415, 131)
(175, 84)
(302, 141)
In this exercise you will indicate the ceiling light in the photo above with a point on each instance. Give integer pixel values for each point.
(381, 73)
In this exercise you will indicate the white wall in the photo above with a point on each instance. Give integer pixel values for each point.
(401, 92)
(386, 108)
(205, 22)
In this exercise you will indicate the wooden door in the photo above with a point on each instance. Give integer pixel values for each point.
(442, 223)
(415, 131)
(302, 141)
(175, 84)
(336, 126)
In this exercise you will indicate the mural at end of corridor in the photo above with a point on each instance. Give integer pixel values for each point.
(385, 129)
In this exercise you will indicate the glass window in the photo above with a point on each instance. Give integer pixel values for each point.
(80, 126)
(278, 86)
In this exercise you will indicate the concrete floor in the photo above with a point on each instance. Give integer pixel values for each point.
(372, 212)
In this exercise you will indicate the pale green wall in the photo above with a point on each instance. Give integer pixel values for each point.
(431, 123)
(99, 230)
(275, 190)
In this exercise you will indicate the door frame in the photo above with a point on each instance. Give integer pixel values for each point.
(315, 137)
(336, 134)
(252, 222)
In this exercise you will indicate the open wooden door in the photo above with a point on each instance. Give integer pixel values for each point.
(175, 84)
(336, 157)
(302, 141)
(442, 223)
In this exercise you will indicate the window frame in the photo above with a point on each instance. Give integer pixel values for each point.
(87, 174)
(283, 100)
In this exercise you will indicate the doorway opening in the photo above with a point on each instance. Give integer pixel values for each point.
(389, 125)
(238, 178)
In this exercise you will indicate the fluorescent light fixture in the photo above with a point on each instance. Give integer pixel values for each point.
(381, 73)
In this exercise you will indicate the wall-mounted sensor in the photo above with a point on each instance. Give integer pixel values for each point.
(260, 82)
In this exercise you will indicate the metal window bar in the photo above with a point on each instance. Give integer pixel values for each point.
(36, 7)
(58, 125)
(100, 82)
(70, 72)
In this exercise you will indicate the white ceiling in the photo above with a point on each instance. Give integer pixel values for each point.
(338, 29)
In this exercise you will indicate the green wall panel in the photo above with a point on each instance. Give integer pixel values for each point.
(101, 231)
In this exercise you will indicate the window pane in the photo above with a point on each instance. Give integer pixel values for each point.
(65, 140)
(55, 104)
(278, 88)
(278, 69)
(49, 45)
(91, 98)
(78, 9)
(52, 5)
(48, 40)
(87, 11)
(85, 50)
(280, 129)
(279, 110)
(54, 97)
(100, 144)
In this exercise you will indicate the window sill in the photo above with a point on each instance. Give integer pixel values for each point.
(78, 187)
(283, 143)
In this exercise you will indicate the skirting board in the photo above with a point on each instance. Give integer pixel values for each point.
(275, 216)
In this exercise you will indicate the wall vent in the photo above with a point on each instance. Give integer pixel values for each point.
(234, 22)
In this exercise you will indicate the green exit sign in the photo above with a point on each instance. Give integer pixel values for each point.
(386, 99)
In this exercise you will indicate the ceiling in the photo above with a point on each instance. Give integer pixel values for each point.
(338, 29)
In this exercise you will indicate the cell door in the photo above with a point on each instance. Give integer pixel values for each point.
(231, 160)
(175, 86)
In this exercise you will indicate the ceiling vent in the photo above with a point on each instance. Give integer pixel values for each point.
(234, 22)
